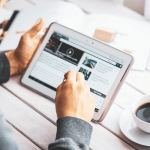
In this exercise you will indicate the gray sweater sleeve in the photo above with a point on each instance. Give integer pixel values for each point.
(72, 134)
(4, 68)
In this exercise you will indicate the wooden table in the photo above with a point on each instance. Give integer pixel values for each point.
(33, 116)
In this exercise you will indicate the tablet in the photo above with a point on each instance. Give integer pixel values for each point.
(63, 49)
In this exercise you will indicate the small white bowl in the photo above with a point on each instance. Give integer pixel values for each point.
(145, 126)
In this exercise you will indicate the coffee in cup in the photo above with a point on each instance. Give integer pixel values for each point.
(141, 113)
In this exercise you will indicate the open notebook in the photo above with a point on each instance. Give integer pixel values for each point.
(131, 34)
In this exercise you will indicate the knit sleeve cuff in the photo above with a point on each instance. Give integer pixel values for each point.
(78, 130)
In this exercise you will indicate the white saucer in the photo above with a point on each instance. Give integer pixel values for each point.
(130, 129)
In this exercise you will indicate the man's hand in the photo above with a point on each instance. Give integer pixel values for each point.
(21, 56)
(73, 98)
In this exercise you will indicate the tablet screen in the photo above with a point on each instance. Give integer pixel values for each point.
(62, 54)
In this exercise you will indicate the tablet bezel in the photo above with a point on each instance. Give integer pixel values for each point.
(55, 27)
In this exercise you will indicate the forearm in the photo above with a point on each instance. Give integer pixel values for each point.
(72, 134)
(14, 65)
(7, 140)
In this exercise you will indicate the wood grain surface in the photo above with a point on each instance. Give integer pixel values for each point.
(26, 120)
(33, 116)
(139, 80)
(126, 96)
(47, 109)
(24, 143)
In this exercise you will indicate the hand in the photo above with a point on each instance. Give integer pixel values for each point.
(21, 56)
(73, 98)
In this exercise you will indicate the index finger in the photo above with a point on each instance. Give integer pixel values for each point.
(80, 77)
(35, 29)
(70, 76)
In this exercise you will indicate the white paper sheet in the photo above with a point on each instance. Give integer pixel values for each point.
(17, 4)
(64, 13)
(133, 35)
(5, 14)
(40, 1)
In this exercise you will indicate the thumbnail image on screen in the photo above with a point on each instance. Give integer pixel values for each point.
(65, 51)
(89, 62)
(85, 72)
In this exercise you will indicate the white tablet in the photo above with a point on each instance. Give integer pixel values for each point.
(63, 49)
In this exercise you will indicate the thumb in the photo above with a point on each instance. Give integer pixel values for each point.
(35, 29)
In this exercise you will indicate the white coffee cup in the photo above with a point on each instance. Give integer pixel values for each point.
(145, 126)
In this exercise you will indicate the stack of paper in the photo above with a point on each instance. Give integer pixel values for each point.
(64, 13)
(132, 35)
